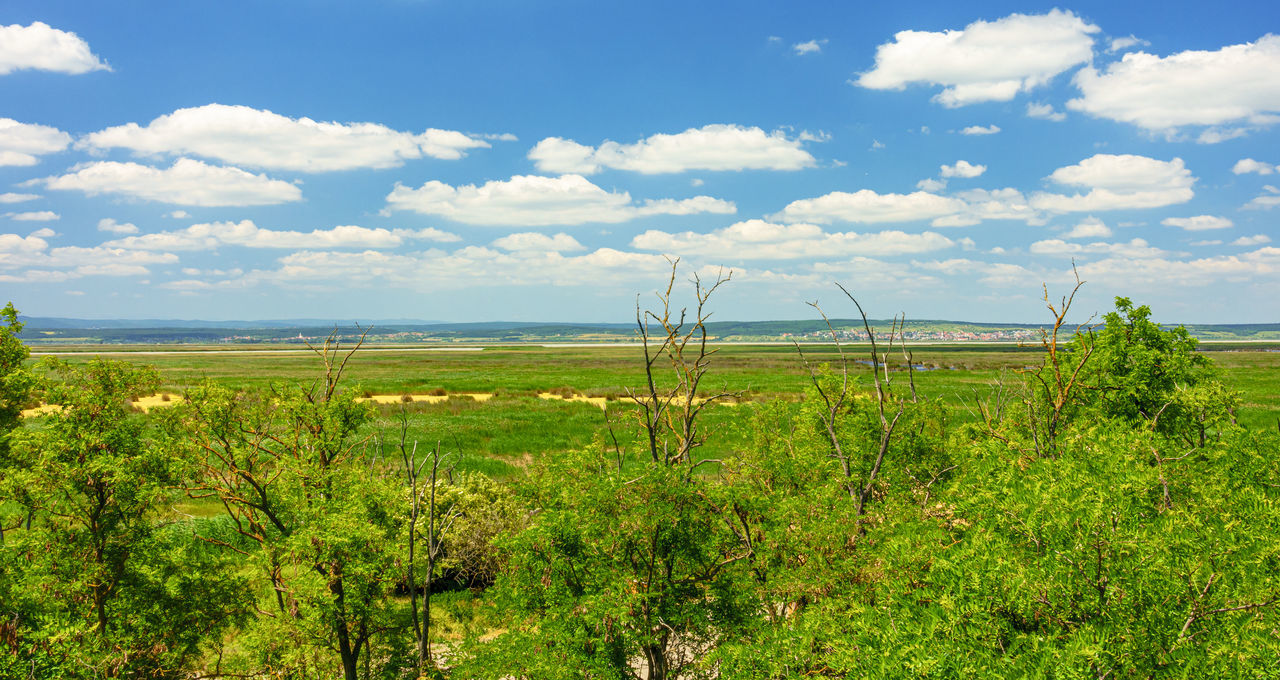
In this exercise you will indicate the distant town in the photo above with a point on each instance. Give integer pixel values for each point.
(42, 331)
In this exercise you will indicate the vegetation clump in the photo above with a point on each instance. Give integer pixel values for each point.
(1100, 513)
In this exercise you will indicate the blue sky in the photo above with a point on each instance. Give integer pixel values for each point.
(470, 161)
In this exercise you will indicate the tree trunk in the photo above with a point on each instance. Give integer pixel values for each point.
(350, 655)
(657, 662)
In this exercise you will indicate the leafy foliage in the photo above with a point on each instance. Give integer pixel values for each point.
(1101, 515)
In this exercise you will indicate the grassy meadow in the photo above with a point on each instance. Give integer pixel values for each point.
(503, 433)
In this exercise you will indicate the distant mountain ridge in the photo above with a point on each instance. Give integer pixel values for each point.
(169, 331)
(51, 322)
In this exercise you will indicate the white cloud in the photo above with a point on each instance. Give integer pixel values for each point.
(1197, 223)
(1161, 274)
(248, 235)
(111, 226)
(1136, 248)
(1217, 135)
(986, 61)
(869, 207)
(809, 47)
(994, 274)
(32, 254)
(1090, 227)
(877, 144)
(186, 182)
(12, 245)
(1119, 182)
(1247, 165)
(932, 185)
(1207, 242)
(44, 48)
(20, 143)
(758, 239)
(36, 216)
(980, 130)
(258, 138)
(978, 205)
(17, 198)
(1045, 111)
(711, 147)
(1255, 240)
(535, 242)
(1263, 202)
(963, 169)
(44, 232)
(1121, 44)
(434, 270)
(530, 200)
(178, 214)
(865, 273)
(1238, 84)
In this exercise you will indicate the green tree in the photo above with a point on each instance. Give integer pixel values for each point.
(100, 580)
(630, 561)
(15, 382)
(308, 510)
(1143, 372)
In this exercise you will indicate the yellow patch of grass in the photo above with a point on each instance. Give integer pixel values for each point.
(144, 404)
(598, 402)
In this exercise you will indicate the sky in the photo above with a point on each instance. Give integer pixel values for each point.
(510, 160)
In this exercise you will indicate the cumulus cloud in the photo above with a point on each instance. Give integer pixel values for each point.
(868, 207)
(248, 235)
(435, 270)
(981, 130)
(32, 260)
(994, 274)
(1122, 44)
(11, 197)
(1164, 274)
(535, 242)
(963, 169)
(1117, 182)
(758, 239)
(35, 216)
(1269, 199)
(44, 48)
(1236, 85)
(530, 200)
(21, 143)
(1090, 227)
(809, 47)
(987, 60)
(186, 182)
(262, 139)
(1045, 111)
(932, 185)
(979, 205)
(1197, 223)
(1136, 248)
(113, 227)
(1255, 240)
(1248, 165)
(711, 147)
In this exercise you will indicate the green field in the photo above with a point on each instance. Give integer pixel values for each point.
(503, 433)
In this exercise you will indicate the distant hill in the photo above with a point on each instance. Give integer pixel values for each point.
(47, 323)
(171, 331)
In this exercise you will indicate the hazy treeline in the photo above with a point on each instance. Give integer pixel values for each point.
(1100, 515)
